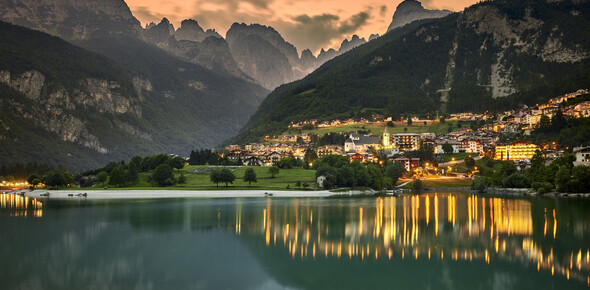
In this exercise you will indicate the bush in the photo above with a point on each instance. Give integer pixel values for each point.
(417, 186)
(543, 187)
(479, 184)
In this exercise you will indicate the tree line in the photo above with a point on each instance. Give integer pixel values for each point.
(561, 175)
(340, 172)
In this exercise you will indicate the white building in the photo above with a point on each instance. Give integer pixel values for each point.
(582, 155)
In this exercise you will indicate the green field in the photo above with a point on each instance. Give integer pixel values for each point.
(197, 178)
(377, 129)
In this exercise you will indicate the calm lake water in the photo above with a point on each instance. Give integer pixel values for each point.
(428, 241)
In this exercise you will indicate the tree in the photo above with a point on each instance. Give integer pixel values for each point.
(215, 176)
(56, 178)
(544, 123)
(479, 184)
(181, 179)
(395, 171)
(406, 129)
(562, 177)
(102, 177)
(425, 123)
(163, 175)
(299, 140)
(32, 177)
(118, 176)
(310, 157)
(250, 176)
(409, 121)
(469, 162)
(273, 171)
(176, 162)
(35, 182)
(447, 148)
(442, 120)
(298, 184)
(132, 172)
(305, 185)
(227, 176)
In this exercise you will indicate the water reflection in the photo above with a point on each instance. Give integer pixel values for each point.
(429, 241)
(432, 226)
(19, 206)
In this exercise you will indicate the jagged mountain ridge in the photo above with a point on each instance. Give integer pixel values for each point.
(494, 55)
(184, 106)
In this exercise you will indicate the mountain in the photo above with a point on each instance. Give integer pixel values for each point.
(71, 19)
(494, 55)
(191, 43)
(411, 10)
(263, 54)
(81, 114)
(64, 104)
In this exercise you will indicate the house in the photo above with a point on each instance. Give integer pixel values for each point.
(407, 141)
(231, 148)
(357, 143)
(254, 146)
(252, 161)
(582, 155)
(271, 158)
(439, 146)
(362, 157)
(409, 163)
(516, 151)
(329, 150)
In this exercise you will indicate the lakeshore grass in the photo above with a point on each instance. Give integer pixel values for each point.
(197, 178)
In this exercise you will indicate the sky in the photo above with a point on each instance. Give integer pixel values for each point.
(307, 24)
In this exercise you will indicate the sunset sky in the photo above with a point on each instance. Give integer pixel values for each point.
(312, 24)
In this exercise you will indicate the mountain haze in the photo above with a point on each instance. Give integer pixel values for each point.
(156, 101)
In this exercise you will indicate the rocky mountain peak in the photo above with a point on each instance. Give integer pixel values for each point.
(78, 19)
(352, 43)
(190, 30)
(412, 10)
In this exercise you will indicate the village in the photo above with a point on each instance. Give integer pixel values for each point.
(475, 142)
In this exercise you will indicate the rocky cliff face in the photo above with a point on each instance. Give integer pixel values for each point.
(72, 19)
(263, 54)
(411, 10)
(190, 30)
(190, 42)
(55, 108)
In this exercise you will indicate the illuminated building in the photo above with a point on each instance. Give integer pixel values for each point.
(516, 151)
(407, 141)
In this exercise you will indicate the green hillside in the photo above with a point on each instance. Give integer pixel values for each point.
(494, 55)
(64, 105)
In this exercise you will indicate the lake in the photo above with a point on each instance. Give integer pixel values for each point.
(427, 241)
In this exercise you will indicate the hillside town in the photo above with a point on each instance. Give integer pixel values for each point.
(484, 140)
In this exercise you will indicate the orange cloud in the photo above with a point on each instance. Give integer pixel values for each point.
(312, 24)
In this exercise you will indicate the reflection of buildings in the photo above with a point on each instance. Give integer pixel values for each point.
(18, 206)
(432, 226)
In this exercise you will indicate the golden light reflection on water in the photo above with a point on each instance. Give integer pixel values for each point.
(466, 227)
(21, 206)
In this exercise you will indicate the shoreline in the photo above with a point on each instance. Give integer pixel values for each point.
(155, 194)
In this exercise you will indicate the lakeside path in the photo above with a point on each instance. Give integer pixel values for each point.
(142, 194)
